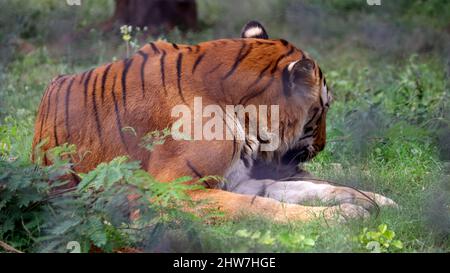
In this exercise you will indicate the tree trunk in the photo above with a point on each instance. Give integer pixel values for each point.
(156, 15)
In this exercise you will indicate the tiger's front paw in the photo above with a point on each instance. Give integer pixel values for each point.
(348, 211)
(367, 200)
(382, 200)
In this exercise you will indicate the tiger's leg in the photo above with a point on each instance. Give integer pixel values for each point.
(234, 205)
(304, 191)
(171, 161)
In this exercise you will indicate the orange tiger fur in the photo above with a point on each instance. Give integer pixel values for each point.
(90, 109)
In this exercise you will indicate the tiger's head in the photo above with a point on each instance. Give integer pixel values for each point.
(307, 89)
(307, 78)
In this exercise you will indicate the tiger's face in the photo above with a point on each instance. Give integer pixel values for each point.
(312, 140)
(306, 90)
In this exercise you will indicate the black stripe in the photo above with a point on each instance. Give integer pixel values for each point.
(197, 49)
(179, 64)
(47, 112)
(232, 130)
(245, 99)
(82, 77)
(281, 58)
(291, 50)
(308, 130)
(145, 58)
(241, 56)
(234, 148)
(94, 103)
(285, 82)
(55, 134)
(265, 43)
(45, 93)
(274, 68)
(321, 100)
(313, 134)
(214, 68)
(86, 82)
(306, 136)
(316, 115)
(41, 111)
(175, 46)
(163, 76)
(105, 75)
(222, 89)
(260, 77)
(127, 64)
(154, 48)
(197, 62)
(312, 119)
(264, 70)
(284, 42)
(316, 131)
(193, 169)
(67, 100)
(116, 111)
(58, 77)
(282, 131)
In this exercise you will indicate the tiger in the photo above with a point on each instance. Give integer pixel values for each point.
(92, 109)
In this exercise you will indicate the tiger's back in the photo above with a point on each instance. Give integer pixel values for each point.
(91, 109)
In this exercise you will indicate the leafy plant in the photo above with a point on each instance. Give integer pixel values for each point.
(157, 137)
(284, 241)
(117, 205)
(26, 193)
(380, 240)
(23, 194)
(127, 36)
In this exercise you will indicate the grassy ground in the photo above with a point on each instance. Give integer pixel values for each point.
(388, 129)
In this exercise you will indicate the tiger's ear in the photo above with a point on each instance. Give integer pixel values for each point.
(254, 29)
(299, 76)
(301, 73)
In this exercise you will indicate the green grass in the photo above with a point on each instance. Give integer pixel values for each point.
(387, 128)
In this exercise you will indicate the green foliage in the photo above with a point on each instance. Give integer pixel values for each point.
(282, 242)
(23, 193)
(157, 137)
(380, 240)
(27, 196)
(131, 42)
(99, 213)
(15, 138)
(38, 215)
(343, 6)
(432, 12)
(107, 174)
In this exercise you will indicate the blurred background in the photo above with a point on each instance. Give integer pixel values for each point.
(388, 66)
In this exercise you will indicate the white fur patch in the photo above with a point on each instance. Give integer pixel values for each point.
(291, 65)
(253, 32)
(324, 94)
